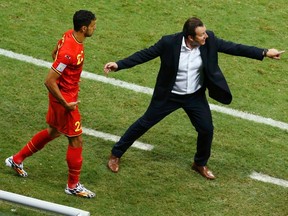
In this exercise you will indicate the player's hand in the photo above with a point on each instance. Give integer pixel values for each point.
(72, 105)
(274, 53)
(111, 66)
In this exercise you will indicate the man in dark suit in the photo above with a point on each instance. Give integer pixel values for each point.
(189, 65)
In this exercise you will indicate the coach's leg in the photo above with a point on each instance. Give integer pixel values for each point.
(201, 118)
(200, 115)
(151, 117)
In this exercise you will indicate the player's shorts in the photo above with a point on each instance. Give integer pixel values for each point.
(65, 121)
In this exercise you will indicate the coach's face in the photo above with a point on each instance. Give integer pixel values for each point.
(200, 38)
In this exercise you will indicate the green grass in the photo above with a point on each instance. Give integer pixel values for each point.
(159, 182)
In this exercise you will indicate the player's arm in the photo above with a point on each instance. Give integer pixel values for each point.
(54, 52)
(51, 84)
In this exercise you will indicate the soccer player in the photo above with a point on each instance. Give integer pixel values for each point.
(63, 116)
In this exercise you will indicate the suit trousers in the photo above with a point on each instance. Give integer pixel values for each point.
(197, 109)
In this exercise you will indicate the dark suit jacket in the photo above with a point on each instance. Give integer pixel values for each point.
(168, 49)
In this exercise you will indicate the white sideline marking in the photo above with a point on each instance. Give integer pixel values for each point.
(116, 82)
(269, 179)
(146, 90)
(40, 204)
(250, 117)
(114, 138)
(25, 58)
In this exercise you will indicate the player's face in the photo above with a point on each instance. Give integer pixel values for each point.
(90, 29)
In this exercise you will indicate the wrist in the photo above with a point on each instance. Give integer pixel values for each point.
(265, 52)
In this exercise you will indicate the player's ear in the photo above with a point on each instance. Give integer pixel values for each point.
(84, 29)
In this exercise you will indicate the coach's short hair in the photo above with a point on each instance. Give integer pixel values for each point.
(190, 25)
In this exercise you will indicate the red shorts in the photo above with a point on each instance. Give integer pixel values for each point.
(65, 121)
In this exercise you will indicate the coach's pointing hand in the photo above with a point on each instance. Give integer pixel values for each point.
(111, 66)
(274, 53)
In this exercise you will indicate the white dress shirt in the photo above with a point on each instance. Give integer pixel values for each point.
(190, 71)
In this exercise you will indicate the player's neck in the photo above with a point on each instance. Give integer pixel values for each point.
(79, 36)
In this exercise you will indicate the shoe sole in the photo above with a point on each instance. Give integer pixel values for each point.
(67, 191)
(79, 195)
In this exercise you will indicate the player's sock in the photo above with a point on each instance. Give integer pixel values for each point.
(38, 141)
(74, 161)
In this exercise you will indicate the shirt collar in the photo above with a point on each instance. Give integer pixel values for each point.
(184, 46)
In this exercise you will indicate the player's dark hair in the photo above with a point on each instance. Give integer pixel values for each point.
(190, 25)
(82, 18)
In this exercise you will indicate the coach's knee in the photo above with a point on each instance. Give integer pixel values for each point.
(208, 130)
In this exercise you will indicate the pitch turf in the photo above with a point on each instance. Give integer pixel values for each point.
(157, 182)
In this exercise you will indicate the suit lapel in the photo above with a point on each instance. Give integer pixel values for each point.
(177, 50)
(203, 52)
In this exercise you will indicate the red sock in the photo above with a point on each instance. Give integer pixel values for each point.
(38, 141)
(74, 161)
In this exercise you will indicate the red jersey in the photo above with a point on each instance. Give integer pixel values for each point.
(68, 64)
